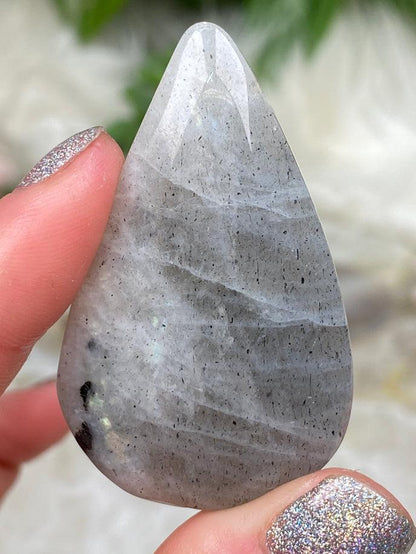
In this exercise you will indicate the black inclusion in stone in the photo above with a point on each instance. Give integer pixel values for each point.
(84, 437)
(86, 390)
(92, 345)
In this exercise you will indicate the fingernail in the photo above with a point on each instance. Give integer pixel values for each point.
(60, 156)
(341, 515)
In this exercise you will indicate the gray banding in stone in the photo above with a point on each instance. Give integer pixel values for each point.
(206, 358)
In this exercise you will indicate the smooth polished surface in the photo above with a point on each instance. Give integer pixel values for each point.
(207, 357)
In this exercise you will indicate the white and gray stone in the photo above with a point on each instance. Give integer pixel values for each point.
(206, 358)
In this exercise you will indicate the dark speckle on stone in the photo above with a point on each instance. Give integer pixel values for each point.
(84, 437)
(86, 390)
(92, 345)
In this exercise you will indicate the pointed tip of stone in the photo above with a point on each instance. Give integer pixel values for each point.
(205, 55)
(206, 28)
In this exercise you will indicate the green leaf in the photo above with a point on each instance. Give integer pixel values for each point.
(280, 24)
(407, 7)
(319, 15)
(139, 95)
(124, 132)
(88, 16)
(206, 4)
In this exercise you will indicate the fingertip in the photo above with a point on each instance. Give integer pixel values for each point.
(57, 161)
(325, 509)
(111, 144)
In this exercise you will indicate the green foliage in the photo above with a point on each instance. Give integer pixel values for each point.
(203, 4)
(407, 7)
(139, 94)
(278, 24)
(286, 22)
(318, 17)
(88, 16)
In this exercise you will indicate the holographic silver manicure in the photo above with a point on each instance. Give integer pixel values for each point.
(344, 516)
(60, 156)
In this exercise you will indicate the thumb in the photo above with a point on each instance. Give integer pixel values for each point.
(329, 511)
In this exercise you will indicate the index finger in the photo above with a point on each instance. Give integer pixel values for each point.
(49, 233)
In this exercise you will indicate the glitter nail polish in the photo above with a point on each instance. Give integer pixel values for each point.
(344, 516)
(61, 155)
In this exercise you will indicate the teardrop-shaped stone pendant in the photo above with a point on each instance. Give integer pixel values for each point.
(206, 358)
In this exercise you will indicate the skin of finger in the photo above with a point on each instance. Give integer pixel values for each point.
(49, 233)
(242, 530)
(30, 421)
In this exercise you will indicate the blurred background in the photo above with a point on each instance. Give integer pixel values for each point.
(341, 76)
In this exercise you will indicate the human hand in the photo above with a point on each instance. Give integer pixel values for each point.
(49, 233)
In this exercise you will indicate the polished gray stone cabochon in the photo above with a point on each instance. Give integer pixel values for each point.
(206, 358)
